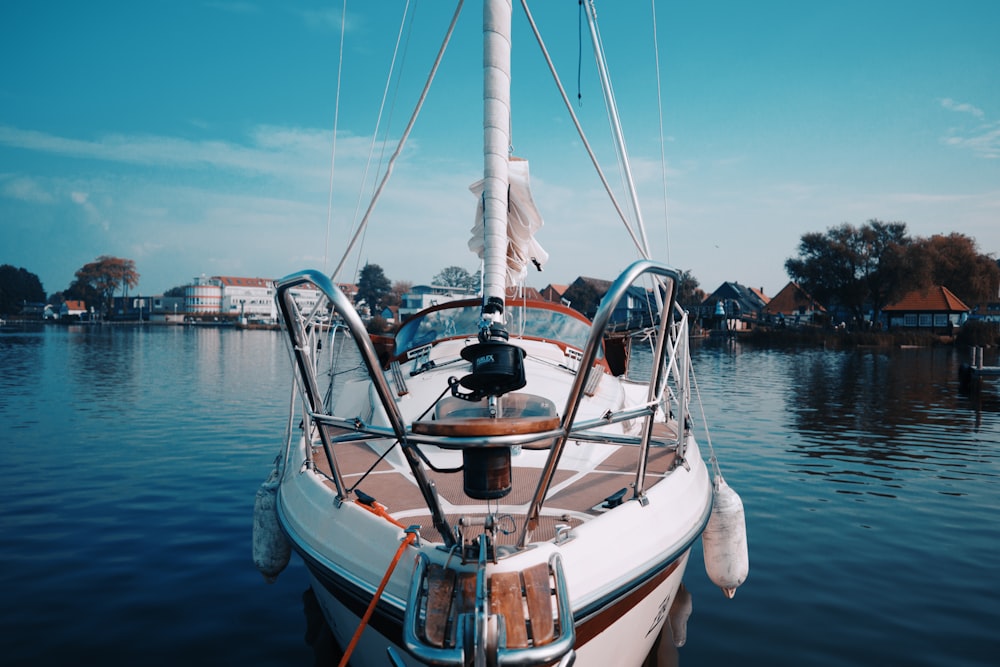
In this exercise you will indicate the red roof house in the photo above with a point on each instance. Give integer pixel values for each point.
(932, 308)
(793, 303)
(72, 309)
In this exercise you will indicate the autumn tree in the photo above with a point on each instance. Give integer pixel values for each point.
(100, 280)
(955, 262)
(373, 287)
(17, 286)
(856, 268)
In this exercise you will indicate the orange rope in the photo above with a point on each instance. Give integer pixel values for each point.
(379, 509)
(378, 594)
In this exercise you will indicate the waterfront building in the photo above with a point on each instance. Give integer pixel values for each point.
(203, 296)
(793, 306)
(249, 299)
(934, 309)
(425, 296)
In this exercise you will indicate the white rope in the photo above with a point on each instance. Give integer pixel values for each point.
(708, 436)
(401, 143)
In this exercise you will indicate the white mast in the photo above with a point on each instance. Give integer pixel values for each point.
(496, 146)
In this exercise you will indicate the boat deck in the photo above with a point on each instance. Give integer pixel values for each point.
(574, 495)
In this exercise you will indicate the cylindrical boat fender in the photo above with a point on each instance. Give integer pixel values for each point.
(678, 616)
(271, 550)
(727, 561)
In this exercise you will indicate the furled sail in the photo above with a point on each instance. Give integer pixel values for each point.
(523, 220)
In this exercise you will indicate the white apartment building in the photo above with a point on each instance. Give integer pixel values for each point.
(250, 299)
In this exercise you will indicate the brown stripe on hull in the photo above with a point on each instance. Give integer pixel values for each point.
(596, 623)
(387, 621)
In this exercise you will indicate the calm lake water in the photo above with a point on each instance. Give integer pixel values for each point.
(131, 457)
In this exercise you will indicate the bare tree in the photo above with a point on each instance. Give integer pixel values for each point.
(456, 276)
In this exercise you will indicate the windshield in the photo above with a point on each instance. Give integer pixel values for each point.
(532, 321)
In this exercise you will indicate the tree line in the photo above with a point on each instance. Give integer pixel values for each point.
(860, 269)
(864, 269)
(375, 290)
(94, 283)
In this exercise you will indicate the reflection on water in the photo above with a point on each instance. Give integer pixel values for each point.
(871, 486)
(882, 416)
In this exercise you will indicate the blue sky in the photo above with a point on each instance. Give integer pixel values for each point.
(195, 137)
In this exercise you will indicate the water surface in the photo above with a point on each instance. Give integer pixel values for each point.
(132, 456)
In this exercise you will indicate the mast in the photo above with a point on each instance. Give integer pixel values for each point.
(496, 145)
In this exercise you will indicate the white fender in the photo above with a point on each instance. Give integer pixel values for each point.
(727, 561)
(678, 616)
(271, 550)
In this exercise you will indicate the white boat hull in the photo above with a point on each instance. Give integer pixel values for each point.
(616, 644)
(623, 569)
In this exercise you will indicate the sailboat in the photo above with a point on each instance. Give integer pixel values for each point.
(492, 488)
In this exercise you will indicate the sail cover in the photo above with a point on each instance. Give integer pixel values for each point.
(523, 220)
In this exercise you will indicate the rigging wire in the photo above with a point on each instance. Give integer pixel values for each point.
(333, 149)
(663, 155)
(402, 141)
(619, 138)
(579, 130)
(579, 54)
(378, 124)
(388, 125)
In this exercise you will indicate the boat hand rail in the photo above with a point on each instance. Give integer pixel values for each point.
(301, 352)
(361, 430)
(584, 431)
(461, 442)
(601, 320)
(552, 652)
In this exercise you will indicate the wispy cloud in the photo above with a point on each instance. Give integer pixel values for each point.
(325, 19)
(982, 139)
(25, 189)
(92, 213)
(279, 152)
(962, 107)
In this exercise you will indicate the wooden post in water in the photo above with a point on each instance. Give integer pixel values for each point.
(971, 377)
